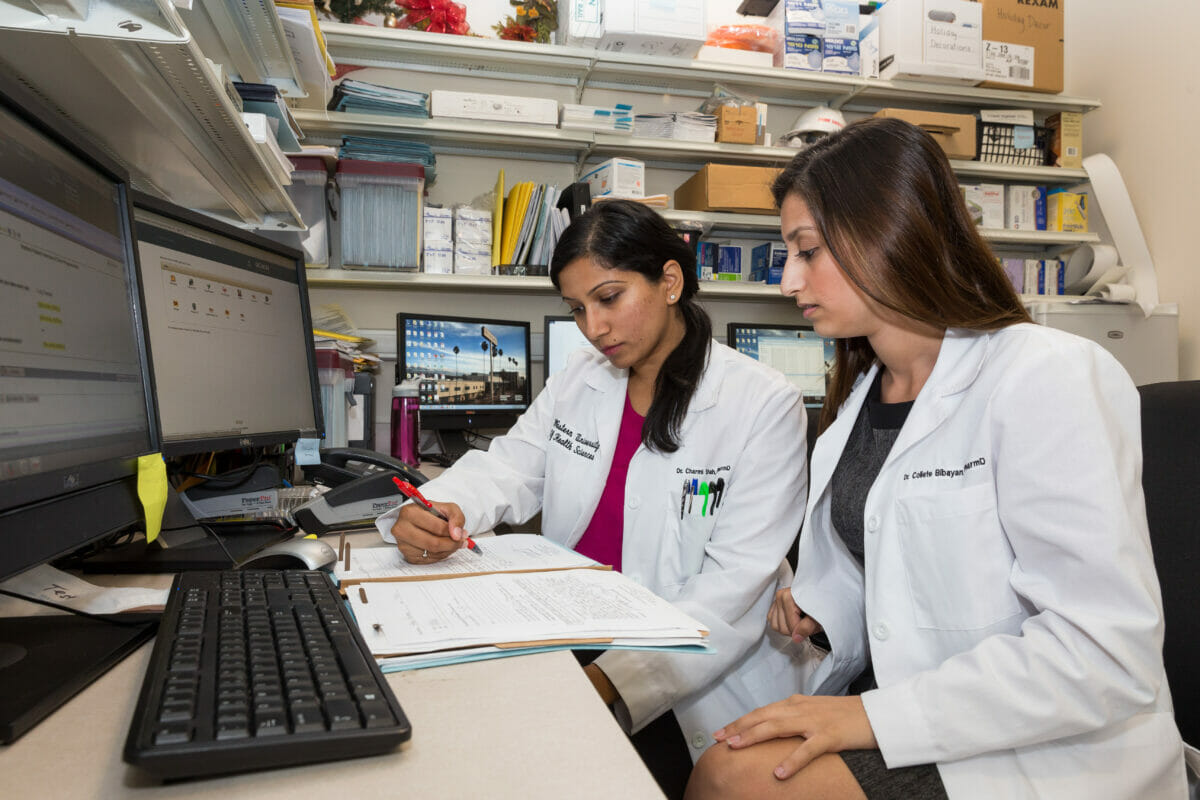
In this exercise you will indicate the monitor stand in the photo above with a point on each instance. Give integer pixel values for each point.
(453, 443)
(185, 544)
(46, 660)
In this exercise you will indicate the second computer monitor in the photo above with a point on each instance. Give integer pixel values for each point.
(230, 333)
(797, 351)
(473, 372)
(563, 338)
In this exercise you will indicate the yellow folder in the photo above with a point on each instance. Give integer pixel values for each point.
(497, 217)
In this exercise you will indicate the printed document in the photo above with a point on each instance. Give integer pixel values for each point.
(513, 552)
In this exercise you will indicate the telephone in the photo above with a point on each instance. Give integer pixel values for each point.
(341, 465)
(362, 489)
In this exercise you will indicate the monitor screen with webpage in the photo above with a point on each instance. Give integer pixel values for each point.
(563, 338)
(230, 333)
(797, 351)
(473, 372)
(76, 411)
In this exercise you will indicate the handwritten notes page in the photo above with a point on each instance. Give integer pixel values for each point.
(514, 552)
(519, 609)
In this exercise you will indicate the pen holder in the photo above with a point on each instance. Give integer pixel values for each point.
(406, 423)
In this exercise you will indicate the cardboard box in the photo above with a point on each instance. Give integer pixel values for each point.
(729, 262)
(931, 40)
(737, 124)
(1066, 211)
(583, 23)
(438, 228)
(1023, 45)
(706, 259)
(839, 48)
(990, 198)
(801, 51)
(954, 132)
(742, 58)
(767, 261)
(617, 177)
(653, 28)
(794, 17)
(868, 46)
(1025, 207)
(722, 187)
(1066, 139)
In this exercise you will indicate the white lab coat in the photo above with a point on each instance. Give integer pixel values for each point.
(1010, 604)
(745, 424)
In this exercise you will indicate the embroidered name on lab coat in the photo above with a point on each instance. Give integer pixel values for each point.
(574, 442)
(946, 472)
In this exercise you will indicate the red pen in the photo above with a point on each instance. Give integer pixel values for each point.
(411, 492)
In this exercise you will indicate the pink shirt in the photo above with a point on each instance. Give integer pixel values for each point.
(602, 539)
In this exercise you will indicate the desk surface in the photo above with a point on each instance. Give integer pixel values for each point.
(523, 727)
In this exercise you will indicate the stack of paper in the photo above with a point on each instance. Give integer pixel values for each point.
(263, 98)
(618, 119)
(654, 126)
(393, 151)
(521, 595)
(307, 44)
(692, 126)
(530, 226)
(371, 98)
(686, 125)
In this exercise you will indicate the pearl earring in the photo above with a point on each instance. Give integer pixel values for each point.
(672, 297)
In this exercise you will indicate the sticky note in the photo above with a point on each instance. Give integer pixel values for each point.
(308, 451)
(152, 490)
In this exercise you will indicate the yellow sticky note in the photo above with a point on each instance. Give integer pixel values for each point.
(152, 491)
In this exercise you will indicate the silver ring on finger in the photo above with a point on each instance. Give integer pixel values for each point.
(424, 554)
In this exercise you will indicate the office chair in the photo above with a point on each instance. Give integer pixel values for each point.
(1170, 479)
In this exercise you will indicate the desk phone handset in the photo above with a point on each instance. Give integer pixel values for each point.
(362, 489)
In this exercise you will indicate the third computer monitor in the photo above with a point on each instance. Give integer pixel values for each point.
(563, 338)
(230, 333)
(797, 351)
(473, 372)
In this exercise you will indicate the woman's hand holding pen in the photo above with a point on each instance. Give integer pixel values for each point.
(786, 617)
(423, 538)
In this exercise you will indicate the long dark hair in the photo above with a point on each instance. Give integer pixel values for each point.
(887, 205)
(622, 234)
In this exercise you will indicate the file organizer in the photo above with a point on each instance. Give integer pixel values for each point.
(382, 205)
(335, 373)
(307, 192)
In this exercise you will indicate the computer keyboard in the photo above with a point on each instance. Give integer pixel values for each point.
(259, 669)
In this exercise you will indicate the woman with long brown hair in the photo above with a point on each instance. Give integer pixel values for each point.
(975, 555)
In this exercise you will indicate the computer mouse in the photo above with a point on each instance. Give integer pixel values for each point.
(298, 553)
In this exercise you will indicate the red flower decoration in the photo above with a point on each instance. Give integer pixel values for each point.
(435, 16)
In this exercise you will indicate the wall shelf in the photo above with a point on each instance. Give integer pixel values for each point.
(504, 284)
(598, 69)
(501, 139)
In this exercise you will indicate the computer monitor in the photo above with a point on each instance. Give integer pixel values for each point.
(562, 338)
(75, 405)
(797, 351)
(230, 333)
(473, 372)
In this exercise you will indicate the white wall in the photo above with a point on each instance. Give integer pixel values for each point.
(1141, 61)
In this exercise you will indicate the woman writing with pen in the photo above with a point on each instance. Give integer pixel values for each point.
(975, 547)
(669, 456)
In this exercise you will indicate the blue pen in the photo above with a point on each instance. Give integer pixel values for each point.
(695, 489)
